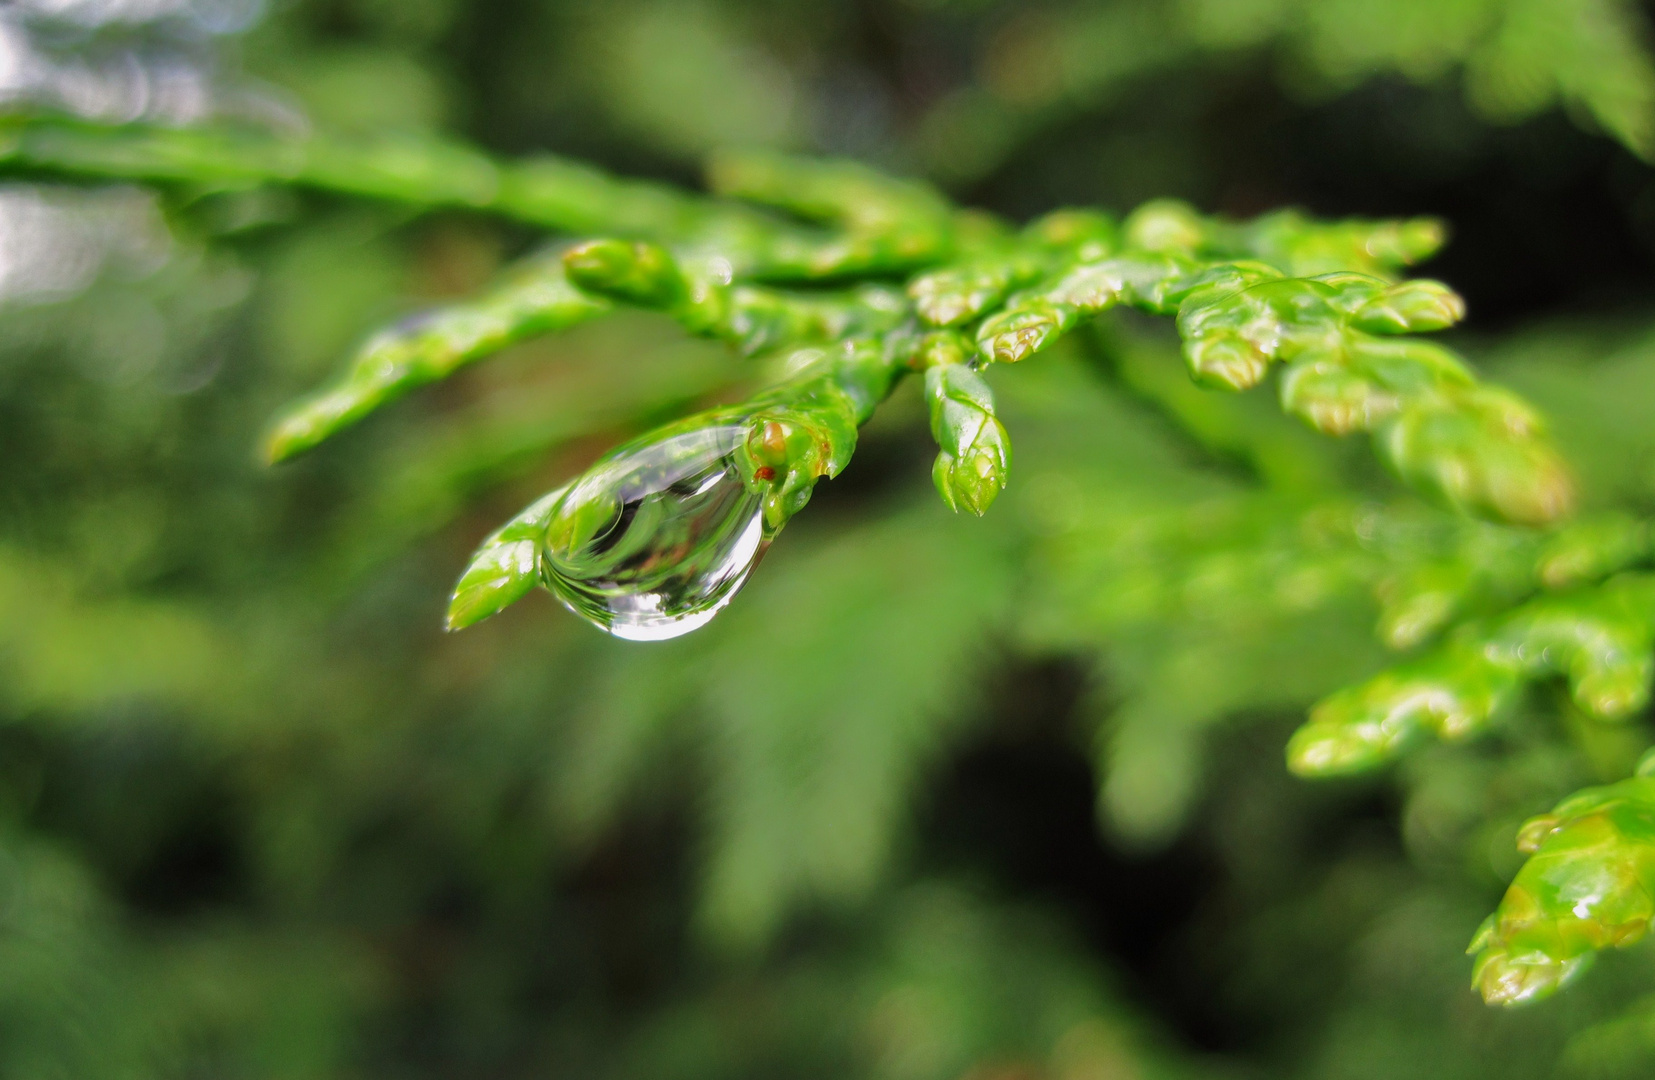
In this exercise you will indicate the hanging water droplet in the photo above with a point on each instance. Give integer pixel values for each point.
(656, 537)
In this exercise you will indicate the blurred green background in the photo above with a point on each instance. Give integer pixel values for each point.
(936, 798)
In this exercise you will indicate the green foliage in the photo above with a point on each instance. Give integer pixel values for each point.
(262, 819)
(972, 467)
(505, 567)
(430, 346)
(1586, 887)
(1240, 307)
(1598, 635)
(1282, 289)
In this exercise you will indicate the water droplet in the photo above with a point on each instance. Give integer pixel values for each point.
(657, 536)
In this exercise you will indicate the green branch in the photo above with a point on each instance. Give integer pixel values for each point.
(1589, 885)
(1599, 635)
(1323, 300)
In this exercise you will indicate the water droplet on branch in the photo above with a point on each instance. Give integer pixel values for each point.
(657, 536)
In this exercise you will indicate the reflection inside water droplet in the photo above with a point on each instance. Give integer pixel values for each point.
(656, 537)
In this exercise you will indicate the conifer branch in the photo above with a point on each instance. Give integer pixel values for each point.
(1588, 885)
(505, 568)
(1322, 299)
(535, 298)
(1598, 634)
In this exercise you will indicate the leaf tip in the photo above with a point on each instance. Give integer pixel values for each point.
(282, 444)
(1503, 978)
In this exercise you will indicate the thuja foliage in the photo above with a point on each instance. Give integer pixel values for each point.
(863, 279)
(1323, 300)
(1571, 604)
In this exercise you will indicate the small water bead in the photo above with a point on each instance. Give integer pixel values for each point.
(657, 536)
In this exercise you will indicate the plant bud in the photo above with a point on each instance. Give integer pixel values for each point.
(635, 272)
(973, 466)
